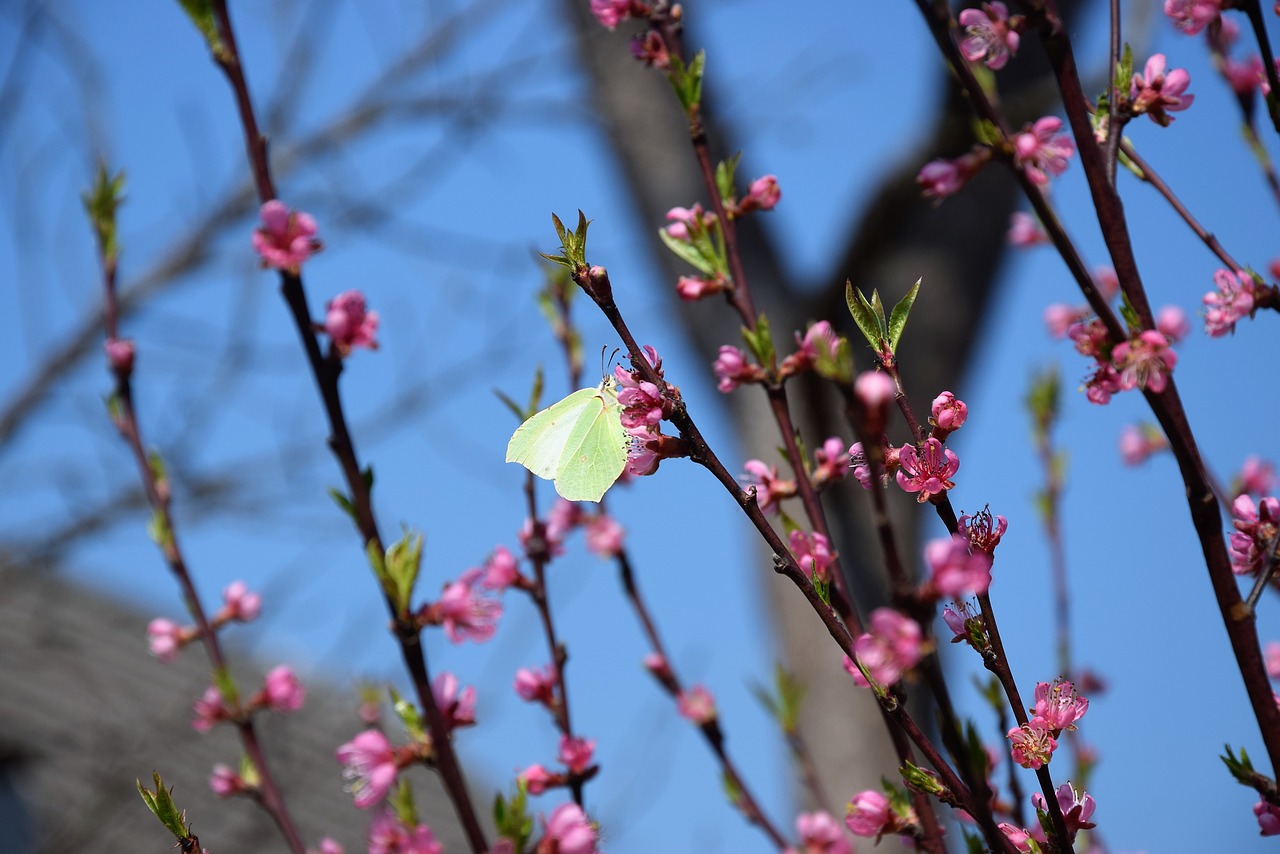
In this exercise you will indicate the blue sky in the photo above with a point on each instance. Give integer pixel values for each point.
(450, 272)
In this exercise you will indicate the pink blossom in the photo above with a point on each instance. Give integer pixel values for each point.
(1018, 837)
(282, 690)
(165, 638)
(1033, 745)
(466, 614)
(983, 530)
(820, 834)
(1138, 442)
(770, 489)
(1172, 322)
(868, 813)
(1145, 361)
(957, 619)
(604, 536)
(650, 49)
(1025, 231)
(611, 12)
(1058, 704)
(1245, 76)
(858, 462)
(941, 178)
(988, 35)
(239, 603)
(537, 685)
(286, 238)
(1158, 92)
(657, 664)
(389, 835)
(537, 779)
(819, 344)
(1042, 151)
(1060, 318)
(1257, 476)
(687, 220)
(642, 401)
(327, 846)
(831, 461)
(891, 647)
(875, 390)
(225, 782)
(697, 705)
(571, 831)
(120, 355)
(1271, 654)
(1255, 529)
(1192, 16)
(348, 324)
(927, 474)
(642, 458)
(812, 553)
(1268, 818)
(694, 288)
(1077, 807)
(763, 195)
(500, 570)
(1106, 281)
(457, 709)
(370, 767)
(955, 571)
(209, 710)
(948, 413)
(1232, 302)
(575, 753)
(563, 517)
(732, 369)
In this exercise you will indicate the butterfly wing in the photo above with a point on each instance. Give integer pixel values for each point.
(595, 451)
(538, 444)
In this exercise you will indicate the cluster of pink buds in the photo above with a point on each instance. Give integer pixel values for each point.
(568, 831)
(1256, 477)
(816, 349)
(281, 692)
(991, 36)
(894, 645)
(457, 708)
(733, 368)
(575, 754)
(1257, 526)
(166, 638)
(645, 405)
(831, 462)
(947, 414)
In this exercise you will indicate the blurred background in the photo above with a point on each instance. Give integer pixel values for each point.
(432, 141)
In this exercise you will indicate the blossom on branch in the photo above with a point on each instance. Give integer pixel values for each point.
(820, 834)
(893, 646)
(456, 708)
(1232, 302)
(568, 831)
(1157, 92)
(927, 473)
(1192, 16)
(349, 324)
(990, 36)
(1040, 150)
(370, 767)
(286, 238)
(1033, 744)
(389, 835)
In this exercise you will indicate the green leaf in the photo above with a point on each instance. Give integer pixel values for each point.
(511, 819)
(863, 315)
(158, 529)
(1241, 769)
(822, 588)
(760, 342)
(510, 404)
(973, 843)
(898, 319)
(343, 502)
(201, 14)
(1124, 73)
(985, 133)
(1129, 313)
(790, 697)
(402, 803)
(725, 170)
(409, 716)
(919, 779)
(403, 562)
(160, 802)
(691, 253)
(226, 686)
(101, 201)
(731, 790)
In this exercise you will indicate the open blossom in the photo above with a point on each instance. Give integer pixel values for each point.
(575, 753)
(988, 35)
(955, 570)
(1025, 231)
(389, 835)
(1232, 302)
(1255, 526)
(1157, 91)
(941, 178)
(370, 767)
(1192, 16)
(286, 238)
(349, 323)
(770, 489)
(1033, 744)
(1077, 807)
(536, 685)
(1019, 837)
(1058, 704)
(831, 461)
(1144, 361)
(465, 613)
(1268, 818)
(165, 638)
(820, 834)
(891, 647)
(957, 619)
(282, 691)
(239, 603)
(982, 530)
(1138, 442)
(1042, 151)
(641, 400)
(568, 831)
(868, 813)
(209, 709)
(457, 708)
(697, 705)
(813, 553)
(604, 536)
(928, 473)
(500, 570)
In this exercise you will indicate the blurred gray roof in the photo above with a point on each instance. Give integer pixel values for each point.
(85, 711)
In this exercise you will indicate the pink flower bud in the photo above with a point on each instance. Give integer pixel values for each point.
(164, 638)
(239, 603)
(575, 753)
(120, 355)
(867, 814)
(697, 705)
(284, 693)
(286, 238)
(225, 782)
(348, 324)
(537, 779)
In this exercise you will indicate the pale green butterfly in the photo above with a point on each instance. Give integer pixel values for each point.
(579, 443)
